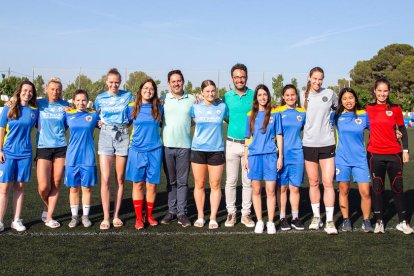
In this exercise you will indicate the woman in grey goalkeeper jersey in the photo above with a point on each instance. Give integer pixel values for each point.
(319, 147)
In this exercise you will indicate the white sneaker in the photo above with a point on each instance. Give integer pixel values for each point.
(18, 225)
(315, 224)
(379, 227)
(270, 226)
(404, 227)
(330, 228)
(1, 227)
(259, 227)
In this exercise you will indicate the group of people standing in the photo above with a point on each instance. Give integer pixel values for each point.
(263, 143)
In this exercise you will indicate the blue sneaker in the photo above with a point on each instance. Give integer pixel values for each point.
(346, 226)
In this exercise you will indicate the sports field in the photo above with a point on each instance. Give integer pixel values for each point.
(172, 250)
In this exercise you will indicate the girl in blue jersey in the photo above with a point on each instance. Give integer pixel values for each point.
(207, 151)
(16, 122)
(80, 158)
(351, 157)
(291, 175)
(50, 148)
(112, 106)
(145, 151)
(262, 159)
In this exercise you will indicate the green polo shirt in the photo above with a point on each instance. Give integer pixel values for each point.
(176, 124)
(238, 107)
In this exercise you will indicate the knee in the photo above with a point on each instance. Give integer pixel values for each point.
(314, 182)
(365, 194)
(344, 190)
(270, 192)
(377, 185)
(397, 185)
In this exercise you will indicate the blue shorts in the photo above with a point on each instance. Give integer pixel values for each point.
(360, 174)
(76, 176)
(113, 140)
(262, 167)
(291, 174)
(16, 170)
(144, 166)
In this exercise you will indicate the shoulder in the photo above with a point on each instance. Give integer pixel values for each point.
(361, 112)
(191, 97)
(91, 110)
(33, 107)
(249, 113)
(278, 109)
(63, 103)
(131, 104)
(71, 111)
(301, 109)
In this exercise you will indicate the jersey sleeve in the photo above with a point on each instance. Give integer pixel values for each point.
(399, 116)
(367, 126)
(96, 104)
(247, 133)
(332, 118)
(129, 111)
(3, 116)
(192, 111)
(278, 124)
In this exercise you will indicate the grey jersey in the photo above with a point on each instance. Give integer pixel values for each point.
(318, 130)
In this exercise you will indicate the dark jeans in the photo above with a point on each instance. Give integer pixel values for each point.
(177, 167)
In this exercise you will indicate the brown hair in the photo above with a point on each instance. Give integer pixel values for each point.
(255, 109)
(206, 83)
(114, 71)
(155, 108)
(14, 111)
(313, 70)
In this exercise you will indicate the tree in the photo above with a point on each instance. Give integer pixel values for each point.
(277, 84)
(39, 84)
(188, 87)
(294, 81)
(9, 84)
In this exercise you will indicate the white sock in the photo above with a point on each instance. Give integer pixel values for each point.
(329, 213)
(316, 210)
(282, 215)
(85, 209)
(74, 209)
(295, 214)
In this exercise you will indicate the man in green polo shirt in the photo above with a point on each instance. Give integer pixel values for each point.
(176, 126)
(239, 101)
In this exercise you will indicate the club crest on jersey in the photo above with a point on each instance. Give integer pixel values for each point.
(218, 112)
(358, 121)
(32, 115)
(388, 112)
(88, 118)
(325, 99)
(122, 100)
(338, 171)
(299, 118)
(60, 109)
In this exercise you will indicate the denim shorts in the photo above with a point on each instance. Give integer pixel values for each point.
(113, 140)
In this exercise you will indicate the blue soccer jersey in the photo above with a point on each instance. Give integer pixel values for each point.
(113, 109)
(17, 143)
(145, 135)
(51, 124)
(263, 143)
(208, 134)
(293, 120)
(350, 149)
(81, 147)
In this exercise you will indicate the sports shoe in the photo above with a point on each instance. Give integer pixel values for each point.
(18, 225)
(297, 224)
(86, 221)
(139, 224)
(284, 225)
(346, 226)
(247, 221)
(231, 220)
(74, 222)
(151, 220)
(1, 227)
(184, 221)
(379, 227)
(259, 227)
(316, 223)
(330, 228)
(366, 226)
(404, 227)
(169, 217)
(270, 226)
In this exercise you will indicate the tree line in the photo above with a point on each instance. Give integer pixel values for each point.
(395, 62)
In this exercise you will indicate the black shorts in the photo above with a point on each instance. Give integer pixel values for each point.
(314, 154)
(50, 153)
(213, 158)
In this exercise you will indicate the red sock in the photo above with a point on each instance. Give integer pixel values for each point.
(138, 208)
(150, 205)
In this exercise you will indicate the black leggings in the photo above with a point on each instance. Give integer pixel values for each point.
(379, 164)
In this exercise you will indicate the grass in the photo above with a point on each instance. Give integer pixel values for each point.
(171, 249)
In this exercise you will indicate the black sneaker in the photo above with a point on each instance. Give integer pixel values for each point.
(297, 224)
(168, 218)
(284, 225)
(184, 221)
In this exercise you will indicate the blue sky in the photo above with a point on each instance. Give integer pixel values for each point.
(202, 38)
